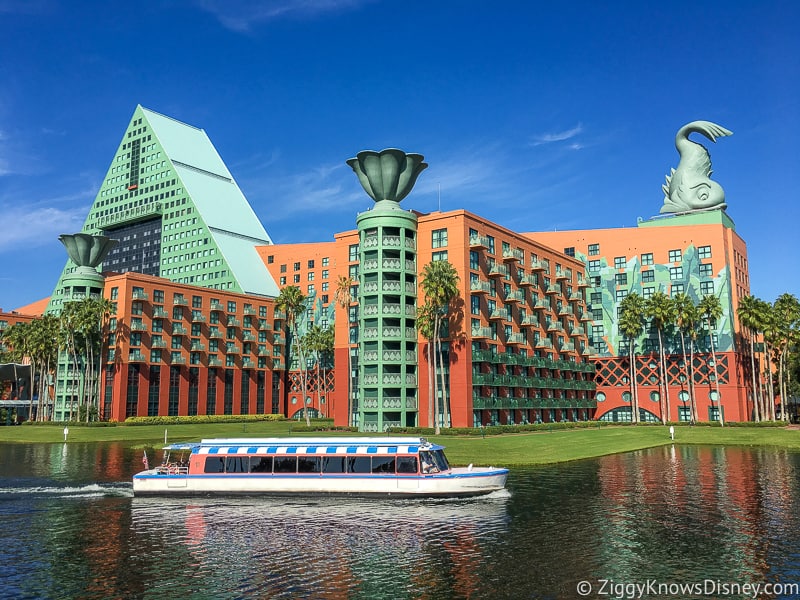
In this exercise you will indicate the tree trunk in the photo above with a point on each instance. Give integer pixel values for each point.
(716, 376)
(634, 391)
(757, 415)
(685, 367)
(661, 402)
(445, 396)
(349, 380)
(437, 426)
(692, 394)
(431, 378)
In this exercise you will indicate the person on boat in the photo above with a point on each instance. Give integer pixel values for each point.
(428, 466)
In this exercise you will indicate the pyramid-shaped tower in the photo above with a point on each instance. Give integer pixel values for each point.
(177, 212)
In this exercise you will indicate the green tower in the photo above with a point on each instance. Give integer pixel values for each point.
(176, 211)
(387, 291)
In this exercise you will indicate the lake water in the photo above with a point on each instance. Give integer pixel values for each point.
(70, 528)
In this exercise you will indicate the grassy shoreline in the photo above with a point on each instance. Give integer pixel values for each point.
(518, 449)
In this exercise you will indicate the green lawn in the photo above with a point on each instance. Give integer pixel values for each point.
(507, 450)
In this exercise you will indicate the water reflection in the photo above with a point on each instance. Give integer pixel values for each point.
(69, 527)
(337, 547)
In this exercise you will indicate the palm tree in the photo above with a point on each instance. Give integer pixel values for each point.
(711, 310)
(344, 298)
(425, 326)
(292, 303)
(631, 325)
(787, 313)
(440, 285)
(326, 344)
(661, 310)
(686, 317)
(750, 318)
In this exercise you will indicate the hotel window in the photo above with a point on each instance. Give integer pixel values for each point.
(647, 259)
(213, 345)
(353, 272)
(297, 266)
(283, 280)
(621, 279)
(177, 342)
(704, 251)
(619, 262)
(353, 253)
(136, 308)
(196, 329)
(325, 273)
(597, 332)
(674, 256)
(675, 273)
(310, 289)
(490, 243)
(597, 314)
(441, 255)
(596, 281)
(311, 264)
(594, 249)
(474, 260)
(675, 289)
(283, 268)
(324, 286)
(707, 288)
(648, 291)
(325, 261)
(594, 265)
(197, 302)
(158, 325)
(231, 306)
(311, 275)
(114, 293)
(439, 238)
(706, 270)
(596, 298)
(324, 298)
(136, 338)
(569, 251)
(270, 259)
(296, 278)
(214, 318)
(620, 295)
(648, 276)
(475, 305)
(155, 356)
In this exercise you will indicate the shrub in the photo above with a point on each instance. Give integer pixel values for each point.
(196, 419)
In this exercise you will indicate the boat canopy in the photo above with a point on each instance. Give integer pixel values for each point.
(294, 446)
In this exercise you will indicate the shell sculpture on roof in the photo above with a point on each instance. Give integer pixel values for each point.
(689, 187)
(387, 176)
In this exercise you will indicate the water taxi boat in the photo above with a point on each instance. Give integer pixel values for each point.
(364, 466)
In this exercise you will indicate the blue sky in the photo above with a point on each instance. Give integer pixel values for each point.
(536, 115)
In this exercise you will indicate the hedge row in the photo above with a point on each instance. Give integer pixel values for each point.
(200, 419)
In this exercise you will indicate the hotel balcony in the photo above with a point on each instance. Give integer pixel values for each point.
(213, 361)
(565, 310)
(563, 273)
(537, 265)
(499, 314)
(178, 360)
(180, 301)
(575, 296)
(218, 306)
(515, 296)
(530, 321)
(527, 280)
(197, 347)
(160, 313)
(512, 254)
(516, 338)
(279, 314)
(138, 326)
(216, 334)
(555, 326)
(585, 316)
(577, 331)
(158, 343)
(248, 363)
(479, 286)
(139, 295)
(136, 356)
(498, 270)
(481, 332)
(478, 241)
(178, 329)
(551, 288)
(233, 322)
(249, 310)
(544, 343)
(278, 364)
(198, 317)
(540, 303)
(263, 325)
(248, 336)
(567, 347)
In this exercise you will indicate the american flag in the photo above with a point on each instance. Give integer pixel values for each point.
(144, 461)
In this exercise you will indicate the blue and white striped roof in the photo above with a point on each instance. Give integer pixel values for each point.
(305, 446)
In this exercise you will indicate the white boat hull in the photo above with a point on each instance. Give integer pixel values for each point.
(457, 482)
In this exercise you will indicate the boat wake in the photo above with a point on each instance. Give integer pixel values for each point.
(91, 490)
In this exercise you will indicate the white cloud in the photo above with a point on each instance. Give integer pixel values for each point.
(38, 226)
(242, 15)
(560, 136)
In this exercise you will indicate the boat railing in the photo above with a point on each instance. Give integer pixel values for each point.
(172, 469)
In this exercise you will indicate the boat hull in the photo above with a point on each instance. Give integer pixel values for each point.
(458, 482)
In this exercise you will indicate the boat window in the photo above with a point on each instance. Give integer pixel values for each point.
(383, 464)
(333, 464)
(359, 464)
(237, 464)
(308, 464)
(261, 464)
(406, 464)
(428, 464)
(214, 464)
(440, 461)
(285, 464)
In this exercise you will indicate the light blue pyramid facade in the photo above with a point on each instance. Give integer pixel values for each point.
(177, 212)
